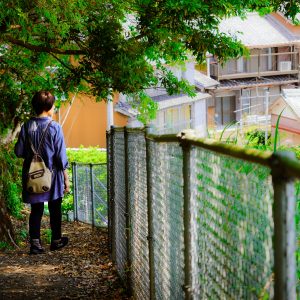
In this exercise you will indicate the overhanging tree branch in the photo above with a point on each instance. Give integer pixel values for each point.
(42, 48)
(69, 68)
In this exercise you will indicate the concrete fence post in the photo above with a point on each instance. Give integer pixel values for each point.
(284, 230)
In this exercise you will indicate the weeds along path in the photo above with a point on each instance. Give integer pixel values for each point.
(82, 270)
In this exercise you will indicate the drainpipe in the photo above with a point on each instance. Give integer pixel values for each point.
(267, 93)
(208, 66)
(110, 112)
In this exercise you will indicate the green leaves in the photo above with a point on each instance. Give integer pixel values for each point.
(120, 46)
(145, 106)
(11, 187)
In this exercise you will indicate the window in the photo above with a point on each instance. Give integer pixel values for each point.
(245, 101)
(225, 107)
(267, 59)
(240, 65)
(174, 119)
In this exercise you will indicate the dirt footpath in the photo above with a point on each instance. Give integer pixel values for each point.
(82, 270)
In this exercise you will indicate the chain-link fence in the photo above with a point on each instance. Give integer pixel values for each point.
(90, 193)
(233, 235)
(199, 220)
(167, 210)
(120, 247)
(137, 201)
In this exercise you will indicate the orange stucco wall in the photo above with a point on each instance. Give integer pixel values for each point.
(293, 28)
(84, 123)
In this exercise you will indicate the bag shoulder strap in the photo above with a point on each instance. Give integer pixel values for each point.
(35, 152)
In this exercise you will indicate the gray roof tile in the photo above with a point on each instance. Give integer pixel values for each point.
(270, 80)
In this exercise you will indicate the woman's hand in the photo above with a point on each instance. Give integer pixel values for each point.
(66, 182)
(67, 187)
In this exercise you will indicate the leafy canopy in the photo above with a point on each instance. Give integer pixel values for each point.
(101, 46)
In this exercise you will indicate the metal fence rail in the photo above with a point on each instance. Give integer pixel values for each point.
(202, 220)
(90, 193)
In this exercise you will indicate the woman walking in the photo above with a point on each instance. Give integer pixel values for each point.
(45, 136)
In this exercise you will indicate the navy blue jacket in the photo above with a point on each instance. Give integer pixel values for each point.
(53, 152)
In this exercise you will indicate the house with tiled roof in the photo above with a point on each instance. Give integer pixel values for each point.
(273, 64)
(287, 106)
(175, 112)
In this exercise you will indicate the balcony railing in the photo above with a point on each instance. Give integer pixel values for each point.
(256, 65)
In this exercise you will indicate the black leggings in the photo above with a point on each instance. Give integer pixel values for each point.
(35, 219)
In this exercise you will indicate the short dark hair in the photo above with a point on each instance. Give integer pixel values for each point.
(42, 101)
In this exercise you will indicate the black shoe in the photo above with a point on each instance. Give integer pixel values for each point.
(36, 248)
(56, 245)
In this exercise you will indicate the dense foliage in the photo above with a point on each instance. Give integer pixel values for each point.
(119, 46)
(10, 180)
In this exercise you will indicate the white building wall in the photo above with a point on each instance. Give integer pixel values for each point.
(199, 118)
(188, 72)
(134, 123)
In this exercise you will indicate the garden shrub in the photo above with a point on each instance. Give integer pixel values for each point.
(256, 138)
(91, 155)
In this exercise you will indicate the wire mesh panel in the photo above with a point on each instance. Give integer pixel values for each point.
(167, 203)
(119, 202)
(91, 195)
(139, 251)
(84, 201)
(233, 227)
(99, 173)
